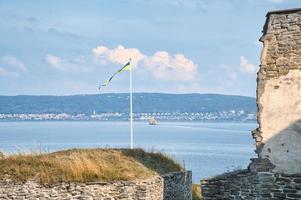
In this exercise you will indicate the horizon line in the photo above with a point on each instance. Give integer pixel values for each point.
(66, 95)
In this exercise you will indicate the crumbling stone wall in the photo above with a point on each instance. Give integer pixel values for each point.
(276, 173)
(118, 190)
(248, 185)
(173, 186)
(178, 186)
(278, 137)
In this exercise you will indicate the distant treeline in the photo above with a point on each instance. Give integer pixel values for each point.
(118, 102)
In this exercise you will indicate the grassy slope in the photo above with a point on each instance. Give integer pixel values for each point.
(196, 192)
(86, 165)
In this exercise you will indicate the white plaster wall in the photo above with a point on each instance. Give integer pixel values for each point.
(280, 121)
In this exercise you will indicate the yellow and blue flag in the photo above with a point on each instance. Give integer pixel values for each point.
(126, 67)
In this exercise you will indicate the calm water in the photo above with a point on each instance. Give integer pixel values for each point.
(206, 148)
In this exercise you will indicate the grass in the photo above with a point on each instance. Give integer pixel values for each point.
(86, 165)
(196, 192)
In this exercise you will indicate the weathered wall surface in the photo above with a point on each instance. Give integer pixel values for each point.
(278, 137)
(178, 186)
(168, 187)
(247, 185)
(101, 191)
(276, 173)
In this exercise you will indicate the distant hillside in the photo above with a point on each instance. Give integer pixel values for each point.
(143, 102)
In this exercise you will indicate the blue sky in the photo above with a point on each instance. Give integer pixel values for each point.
(63, 47)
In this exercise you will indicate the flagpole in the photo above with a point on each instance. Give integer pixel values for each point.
(131, 106)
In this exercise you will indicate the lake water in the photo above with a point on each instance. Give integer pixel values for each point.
(207, 149)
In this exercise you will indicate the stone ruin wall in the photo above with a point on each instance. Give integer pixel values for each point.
(278, 138)
(276, 173)
(172, 186)
(244, 184)
(178, 186)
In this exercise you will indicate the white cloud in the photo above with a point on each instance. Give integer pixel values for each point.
(11, 66)
(54, 61)
(168, 67)
(78, 64)
(5, 72)
(277, 1)
(161, 64)
(246, 66)
(118, 55)
(13, 62)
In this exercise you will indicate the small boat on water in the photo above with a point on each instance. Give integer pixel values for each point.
(153, 121)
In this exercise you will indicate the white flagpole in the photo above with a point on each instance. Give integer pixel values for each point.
(131, 106)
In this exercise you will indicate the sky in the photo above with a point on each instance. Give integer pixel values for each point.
(65, 47)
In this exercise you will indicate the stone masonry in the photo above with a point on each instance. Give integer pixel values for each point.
(156, 188)
(178, 186)
(244, 184)
(276, 173)
(278, 137)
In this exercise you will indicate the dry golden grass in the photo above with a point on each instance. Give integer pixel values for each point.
(196, 192)
(86, 165)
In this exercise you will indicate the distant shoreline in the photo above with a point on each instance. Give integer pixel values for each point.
(138, 121)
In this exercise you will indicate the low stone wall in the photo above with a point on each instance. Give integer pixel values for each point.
(245, 184)
(166, 187)
(149, 189)
(178, 186)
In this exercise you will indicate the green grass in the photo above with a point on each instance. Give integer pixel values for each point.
(86, 165)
